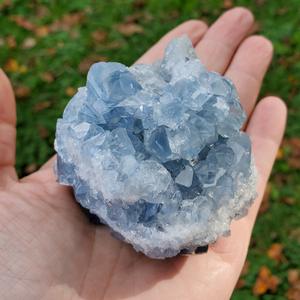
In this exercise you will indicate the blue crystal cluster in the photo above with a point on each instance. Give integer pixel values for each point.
(156, 152)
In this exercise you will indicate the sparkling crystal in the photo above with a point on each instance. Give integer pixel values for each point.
(156, 152)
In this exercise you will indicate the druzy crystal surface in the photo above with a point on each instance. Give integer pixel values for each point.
(156, 152)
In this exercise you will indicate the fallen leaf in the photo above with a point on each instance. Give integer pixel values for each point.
(28, 43)
(145, 16)
(70, 91)
(260, 2)
(295, 233)
(98, 35)
(293, 276)
(6, 3)
(47, 77)
(294, 280)
(67, 22)
(174, 14)
(265, 282)
(255, 28)
(2, 42)
(23, 69)
(11, 65)
(139, 3)
(282, 11)
(260, 287)
(265, 201)
(60, 44)
(289, 201)
(42, 131)
(240, 284)
(273, 282)
(129, 29)
(279, 154)
(85, 65)
(42, 12)
(51, 51)
(274, 252)
(41, 106)
(227, 4)
(293, 294)
(74, 34)
(42, 31)
(113, 45)
(245, 269)
(31, 168)
(23, 91)
(11, 41)
(22, 22)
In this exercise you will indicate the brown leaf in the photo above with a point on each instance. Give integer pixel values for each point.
(41, 106)
(265, 201)
(245, 269)
(145, 16)
(227, 4)
(274, 252)
(22, 22)
(98, 35)
(51, 51)
(293, 294)
(30, 168)
(139, 3)
(11, 65)
(129, 29)
(255, 28)
(74, 34)
(5, 3)
(260, 2)
(240, 284)
(23, 91)
(273, 282)
(28, 43)
(293, 276)
(11, 41)
(279, 154)
(67, 22)
(42, 12)
(85, 65)
(42, 31)
(48, 77)
(42, 131)
(289, 201)
(113, 45)
(265, 281)
(70, 91)
(282, 11)
(260, 287)
(294, 280)
(2, 42)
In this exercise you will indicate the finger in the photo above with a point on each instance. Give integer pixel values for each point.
(219, 43)
(8, 121)
(266, 128)
(248, 69)
(195, 29)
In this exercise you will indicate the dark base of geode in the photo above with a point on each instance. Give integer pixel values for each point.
(198, 250)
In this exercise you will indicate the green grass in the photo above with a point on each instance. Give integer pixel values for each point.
(37, 112)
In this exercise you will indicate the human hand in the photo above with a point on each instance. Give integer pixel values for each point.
(49, 250)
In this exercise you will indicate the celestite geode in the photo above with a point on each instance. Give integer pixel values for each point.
(156, 152)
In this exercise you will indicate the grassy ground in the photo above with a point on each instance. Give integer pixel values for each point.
(47, 46)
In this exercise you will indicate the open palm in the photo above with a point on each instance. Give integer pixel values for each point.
(49, 250)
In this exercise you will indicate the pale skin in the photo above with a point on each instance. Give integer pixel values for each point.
(49, 250)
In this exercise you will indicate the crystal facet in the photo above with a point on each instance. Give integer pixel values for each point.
(156, 152)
